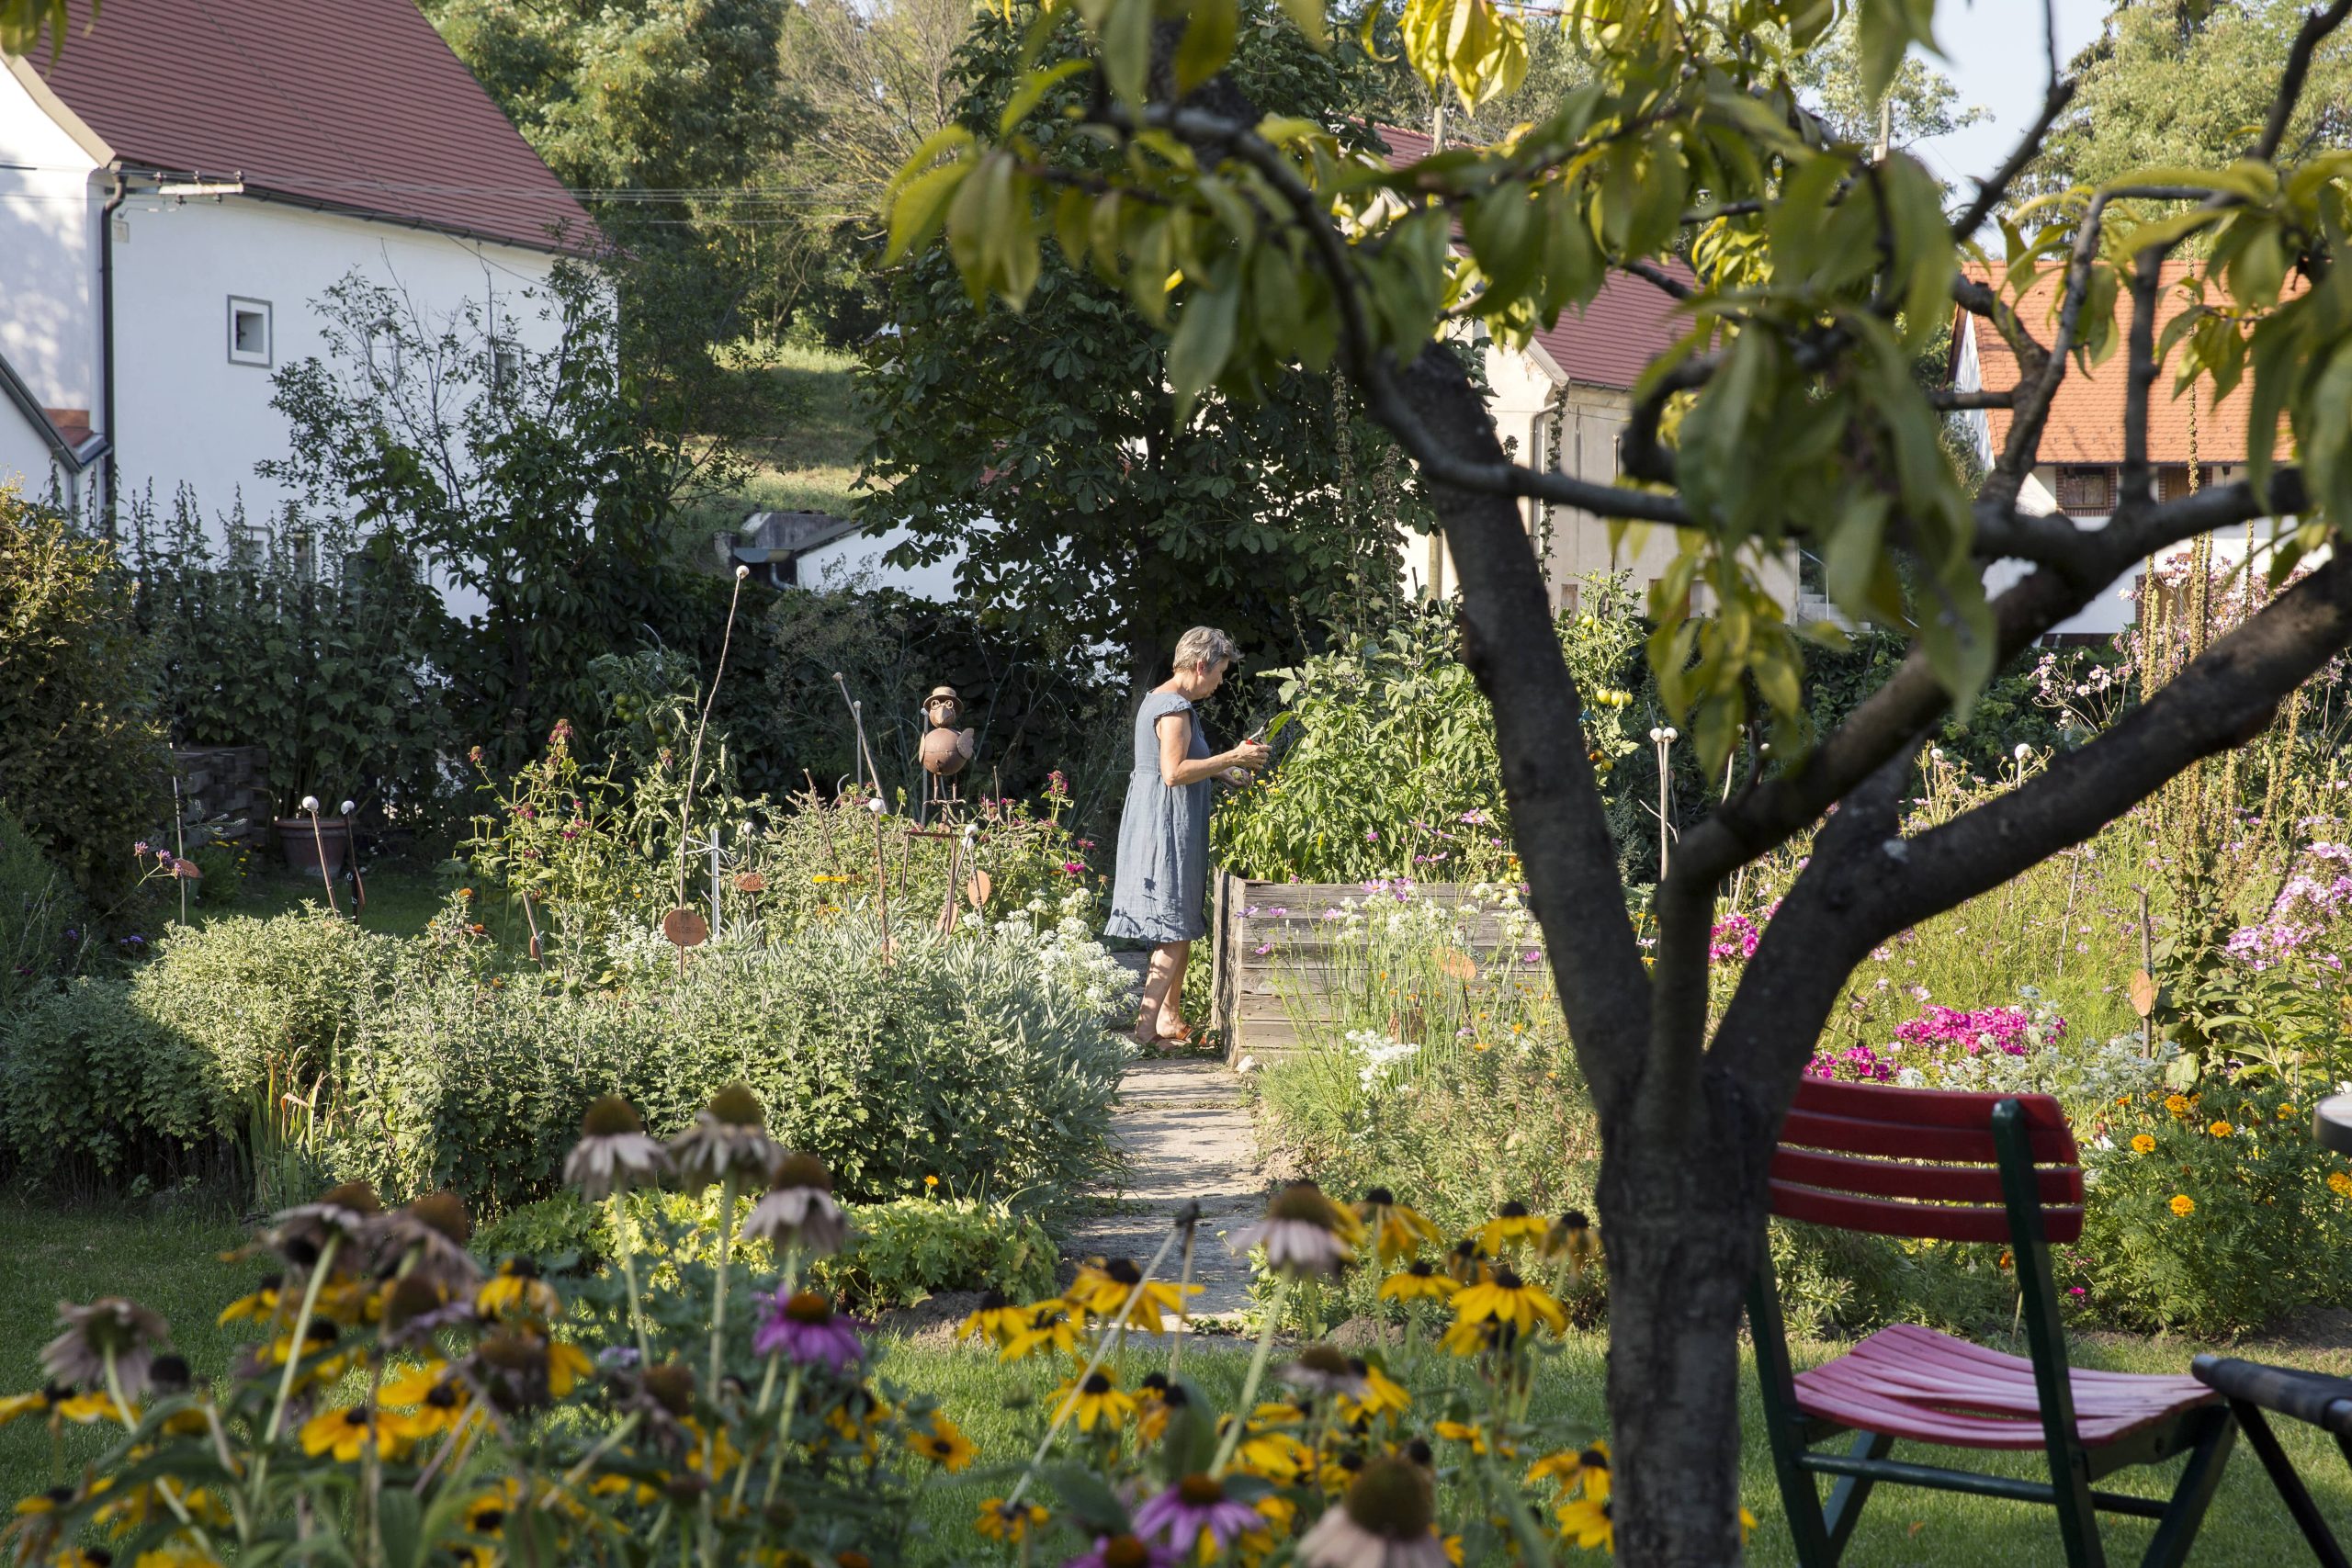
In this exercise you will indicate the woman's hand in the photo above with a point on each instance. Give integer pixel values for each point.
(1251, 755)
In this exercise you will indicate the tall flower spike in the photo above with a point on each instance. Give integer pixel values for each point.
(614, 1153)
(729, 1137)
(799, 1210)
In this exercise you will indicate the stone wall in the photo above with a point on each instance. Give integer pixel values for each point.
(230, 782)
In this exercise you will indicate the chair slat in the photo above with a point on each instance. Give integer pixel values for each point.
(1896, 1179)
(1921, 1107)
(1933, 1222)
(1904, 1140)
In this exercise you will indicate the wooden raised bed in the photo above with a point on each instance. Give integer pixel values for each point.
(1249, 985)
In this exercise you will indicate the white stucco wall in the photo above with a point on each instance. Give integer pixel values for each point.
(47, 236)
(858, 557)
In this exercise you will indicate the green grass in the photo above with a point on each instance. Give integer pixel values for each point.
(809, 462)
(165, 1253)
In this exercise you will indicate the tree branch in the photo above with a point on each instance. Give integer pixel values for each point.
(1990, 192)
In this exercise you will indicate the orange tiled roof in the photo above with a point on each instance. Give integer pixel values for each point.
(2087, 416)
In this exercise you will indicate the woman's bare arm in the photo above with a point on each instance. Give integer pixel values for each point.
(1179, 768)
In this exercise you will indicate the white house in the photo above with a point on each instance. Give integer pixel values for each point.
(182, 181)
(1562, 403)
(2080, 471)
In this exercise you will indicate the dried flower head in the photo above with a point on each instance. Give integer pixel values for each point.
(1325, 1369)
(348, 1214)
(1302, 1232)
(614, 1153)
(428, 1239)
(110, 1328)
(1383, 1522)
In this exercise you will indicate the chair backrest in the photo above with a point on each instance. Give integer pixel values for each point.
(1919, 1162)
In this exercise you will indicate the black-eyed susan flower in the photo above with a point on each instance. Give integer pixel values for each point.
(517, 1294)
(1096, 1400)
(1506, 1298)
(1010, 1522)
(1396, 1230)
(1103, 1292)
(1419, 1281)
(41, 1402)
(944, 1444)
(254, 1308)
(729, 1137)
(1584, 1469)
(519, 1371)
(1303, 1233)
(1383, 1521)
(1051, 1327)
(614, 1153)
(799, 1210)
(1157, 1403)
(995, 1320)
(1466, 1261)
(345, 1433)
(1380, 1394)
(1571, 1237)
(1463, 1432)
(1513, 1226)
(1585, 1522)
(435, 1396)
(110, 1331)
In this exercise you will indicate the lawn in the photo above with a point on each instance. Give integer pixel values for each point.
(809, 462)
(166, 1254)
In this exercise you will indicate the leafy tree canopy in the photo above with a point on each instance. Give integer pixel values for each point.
(1089, 502)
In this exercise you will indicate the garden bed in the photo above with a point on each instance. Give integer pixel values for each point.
(1273, 945)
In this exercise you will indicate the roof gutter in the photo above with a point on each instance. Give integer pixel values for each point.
(105, 330)
(75, 459)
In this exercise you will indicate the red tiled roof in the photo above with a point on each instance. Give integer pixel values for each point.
(1612, 340)
(349, 104)
(2085, 423)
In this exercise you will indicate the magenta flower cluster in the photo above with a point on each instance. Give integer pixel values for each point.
(1941, 1029)
(1734, 937)
(1856, 1063)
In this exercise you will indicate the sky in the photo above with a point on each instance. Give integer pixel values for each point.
(1993, 54)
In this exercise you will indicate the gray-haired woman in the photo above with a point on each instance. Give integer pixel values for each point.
(1164, 835)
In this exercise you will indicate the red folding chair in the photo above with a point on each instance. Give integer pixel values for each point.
(1940, 1165)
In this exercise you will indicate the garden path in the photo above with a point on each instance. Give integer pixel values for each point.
(1187, 1135)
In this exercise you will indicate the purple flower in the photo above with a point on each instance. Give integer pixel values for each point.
(1372, 835)
(804, 1329)
(1196, 1504)
(1734, 936)
(140, 847)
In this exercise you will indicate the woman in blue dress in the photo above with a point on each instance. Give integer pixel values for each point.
(1156, 895)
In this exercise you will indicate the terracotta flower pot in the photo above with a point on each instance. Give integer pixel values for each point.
(302, 848)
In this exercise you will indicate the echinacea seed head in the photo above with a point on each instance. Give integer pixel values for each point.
(1391, 1499)
(509, 1353)
(610, 1116)
(780, 1514)
(808, 1306)
(411, 1297)
(444, 1211)
(738, 1107)
(1126, 1552)
(1304, 1201)
(672, 1387)
(355, 1196)
(1325, 1360)
(798, 1170)
(1201, 1491)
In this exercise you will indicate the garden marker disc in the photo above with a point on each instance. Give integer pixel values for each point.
(978, 890)
(751, 881)
(1457, 964)
(2143, 992)
(686, 929)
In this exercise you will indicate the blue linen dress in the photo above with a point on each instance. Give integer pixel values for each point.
(1162, 874)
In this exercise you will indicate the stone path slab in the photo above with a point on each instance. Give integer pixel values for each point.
(1186, 1132)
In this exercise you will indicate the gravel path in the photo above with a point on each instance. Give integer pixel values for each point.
(1187, 1135)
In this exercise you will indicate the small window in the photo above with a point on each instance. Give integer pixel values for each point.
(301, 553)
(505, 366)
(250, 545)
(2173, 483)
(2088, 491)
(1568, 598)
(249, 331)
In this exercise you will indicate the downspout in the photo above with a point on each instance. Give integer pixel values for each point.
(106, 331)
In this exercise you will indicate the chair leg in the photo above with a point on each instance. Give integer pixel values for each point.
(1800, 1499)
(2291, 1490)
(2078, 1514)
(1846, 1499)
(2202, 1477)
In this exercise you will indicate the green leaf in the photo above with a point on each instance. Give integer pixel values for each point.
(1201, 344)
(1035, 85)
(915, 215)
(1208, 44)
(1306, 16)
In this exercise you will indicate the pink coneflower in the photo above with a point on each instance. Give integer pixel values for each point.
(108, 1328)
(1383, 1522)
(1124, 1552)
(804, 1329)
(1302, 1232)
(1319, 1368)
(729, 1139)
(428, 1240)
(348, 1213)
(799, 1210)
(613, 1152)
(1195, 1507)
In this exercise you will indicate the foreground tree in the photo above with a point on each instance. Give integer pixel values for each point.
(1786, 416)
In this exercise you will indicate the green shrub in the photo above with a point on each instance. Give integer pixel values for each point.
(555, 1233)
(913, 1247)
(2210, 1231)
(40, 916)
(224, 865)
(89, 1079)
(269, 1003)
(980, 1059)
(82, 758)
